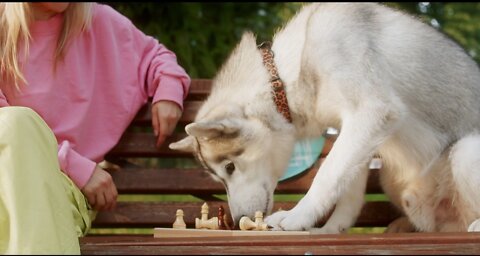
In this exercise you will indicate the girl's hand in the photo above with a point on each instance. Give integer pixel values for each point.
(165, 115)
(100, 190)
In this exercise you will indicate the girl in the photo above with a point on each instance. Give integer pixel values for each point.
(73, 76)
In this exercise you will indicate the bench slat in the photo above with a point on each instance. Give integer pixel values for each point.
(162, 214)
(190, 109)
(342, 244)
(142, 144)
(199, 89)
(256, 248)
(198, 181)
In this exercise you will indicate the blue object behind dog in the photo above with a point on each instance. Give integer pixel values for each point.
(304, 155)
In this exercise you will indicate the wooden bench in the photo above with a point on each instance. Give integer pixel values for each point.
(148, 173)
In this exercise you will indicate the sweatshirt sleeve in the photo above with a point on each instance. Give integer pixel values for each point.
(163, 78)
(76, 166)
(166, 80)
(159, 75)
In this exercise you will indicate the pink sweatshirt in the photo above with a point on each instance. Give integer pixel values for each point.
(107, 74)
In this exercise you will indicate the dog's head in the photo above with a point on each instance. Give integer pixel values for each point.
(238, 136)
(243, 155)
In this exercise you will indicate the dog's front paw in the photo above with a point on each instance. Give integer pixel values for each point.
(275, 219)
(298, 218)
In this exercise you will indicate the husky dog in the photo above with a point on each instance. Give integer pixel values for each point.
(391, 85)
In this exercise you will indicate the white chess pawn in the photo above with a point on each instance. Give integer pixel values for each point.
(179, 222)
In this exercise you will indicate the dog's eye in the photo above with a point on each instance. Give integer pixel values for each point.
(230, 167)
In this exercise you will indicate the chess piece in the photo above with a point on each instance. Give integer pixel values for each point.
(211, 223)
(247, 224)
(203, 212)
(223, 222)
(179, 222)
(221, 218)
(204, 222)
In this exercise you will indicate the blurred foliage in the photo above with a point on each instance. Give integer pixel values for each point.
(458, 20)
(203, 34)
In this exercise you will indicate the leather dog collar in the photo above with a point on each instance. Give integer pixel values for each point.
(279, 94)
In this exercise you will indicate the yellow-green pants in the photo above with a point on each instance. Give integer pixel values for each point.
(41, 210)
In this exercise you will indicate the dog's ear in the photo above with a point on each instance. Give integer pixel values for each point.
(248, 38)
(211, 130)
(186, 144)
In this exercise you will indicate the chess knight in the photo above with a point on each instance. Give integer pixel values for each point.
(389, 83)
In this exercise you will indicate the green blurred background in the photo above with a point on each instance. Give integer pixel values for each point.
(203, 34)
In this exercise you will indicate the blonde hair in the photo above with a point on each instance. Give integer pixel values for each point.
(14, 31)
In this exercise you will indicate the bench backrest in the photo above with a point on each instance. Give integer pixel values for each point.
(148, 174)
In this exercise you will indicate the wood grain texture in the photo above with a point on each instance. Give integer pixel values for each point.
(358, 244)
(198, 181)
(190, 232)
(142, 144)
(162, 214)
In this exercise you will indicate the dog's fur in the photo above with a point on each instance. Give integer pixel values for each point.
(391, 84)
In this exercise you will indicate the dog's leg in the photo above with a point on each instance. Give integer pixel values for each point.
(465, 162)
(361, 134)
(417, 206)
(347, 208)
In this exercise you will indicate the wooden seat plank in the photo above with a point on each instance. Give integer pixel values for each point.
(142, 144)
(198, 181)
(362, 244)
(162, 214)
